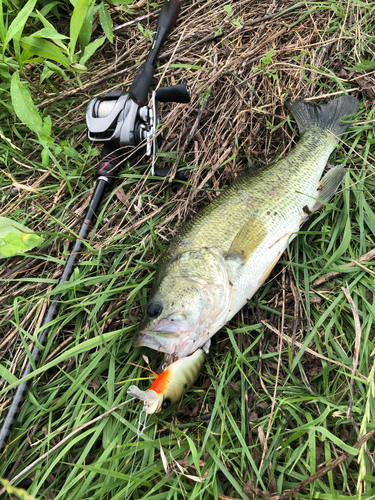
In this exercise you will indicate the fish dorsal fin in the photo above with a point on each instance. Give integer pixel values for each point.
(247, 240)
(328, 186)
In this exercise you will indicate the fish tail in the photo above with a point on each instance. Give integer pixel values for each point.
(323, 116)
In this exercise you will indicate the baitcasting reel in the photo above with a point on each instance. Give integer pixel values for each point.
(120, 119)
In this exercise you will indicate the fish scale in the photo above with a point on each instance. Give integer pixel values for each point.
(223, 254)
(260, 188)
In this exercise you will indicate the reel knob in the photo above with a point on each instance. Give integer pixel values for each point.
(177, 93)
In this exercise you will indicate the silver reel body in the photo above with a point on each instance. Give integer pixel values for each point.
(120, 119)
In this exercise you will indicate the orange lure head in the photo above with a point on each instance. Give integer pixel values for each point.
(171, 384)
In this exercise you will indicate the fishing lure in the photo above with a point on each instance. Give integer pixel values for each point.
(171, 384)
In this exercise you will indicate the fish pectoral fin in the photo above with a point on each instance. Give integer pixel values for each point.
(328, 186)
(247, 240)
(206, 346)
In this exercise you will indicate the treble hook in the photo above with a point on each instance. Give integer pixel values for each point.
(142, 424)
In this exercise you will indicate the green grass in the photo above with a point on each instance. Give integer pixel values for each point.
(264, 414)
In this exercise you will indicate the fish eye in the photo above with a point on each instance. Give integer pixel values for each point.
(154, 310)
(166, 404)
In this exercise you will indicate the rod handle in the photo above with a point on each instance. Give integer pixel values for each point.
(142, 82)
(168, 16)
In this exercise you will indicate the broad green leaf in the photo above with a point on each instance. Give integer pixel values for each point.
(52, 34)
(49, 33)
(24, 106)
(44, 48)
(16, 238)
(69, 151)
(90, 49)
(7, 250)
(47, 126)
(45, 158)
(76, 22)
(86, 30)
(4, 73)
(48, 7)
(106, 22)
(43, 20)
(17, 51)
(31, 240)
(2, 27)
(364, 65)
(5, 76)
(19, 22)
(50, 68)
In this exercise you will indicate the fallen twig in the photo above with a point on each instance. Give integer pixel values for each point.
(367, 257)
(314, 353)
(322, 472)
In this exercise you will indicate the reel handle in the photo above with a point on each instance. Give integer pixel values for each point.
(176, 93)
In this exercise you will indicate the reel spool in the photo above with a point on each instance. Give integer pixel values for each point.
(103, 108)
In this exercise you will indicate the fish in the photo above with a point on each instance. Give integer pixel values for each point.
(220, 258)
(171, 384)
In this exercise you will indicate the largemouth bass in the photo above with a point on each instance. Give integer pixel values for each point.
(223, 255)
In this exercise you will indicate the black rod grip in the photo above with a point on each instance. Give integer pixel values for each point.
(176, 93)
(167, 18)
(168, 15)
(142, 82)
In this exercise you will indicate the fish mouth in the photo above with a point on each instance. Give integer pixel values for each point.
(167, 336)
(174, 344)
(161, 341)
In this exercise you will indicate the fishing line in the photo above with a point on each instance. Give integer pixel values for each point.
(140, 430)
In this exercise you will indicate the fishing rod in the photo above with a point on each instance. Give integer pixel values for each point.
(119, 119)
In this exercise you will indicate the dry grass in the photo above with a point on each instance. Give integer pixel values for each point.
(284, 416)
